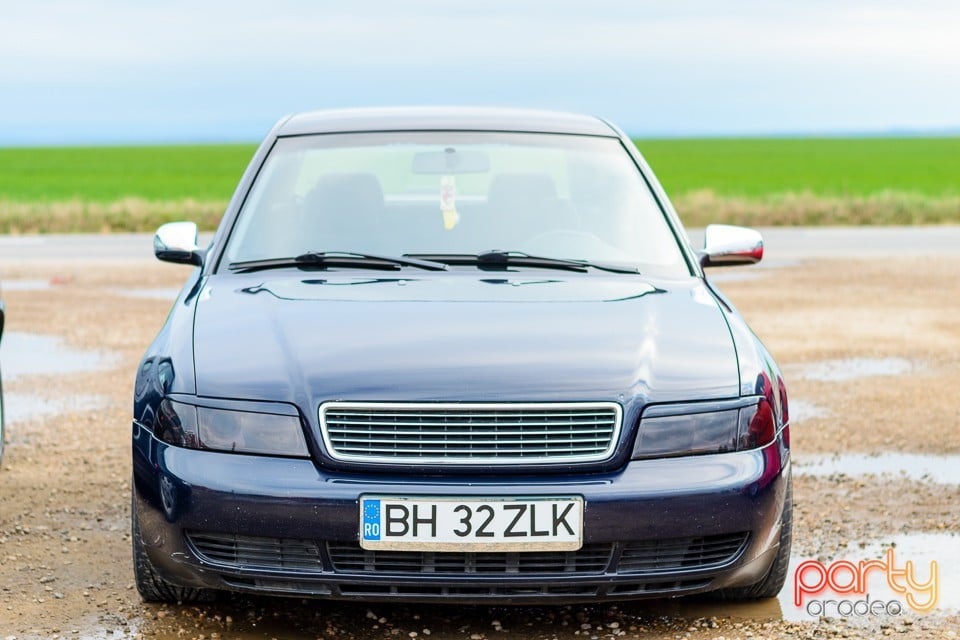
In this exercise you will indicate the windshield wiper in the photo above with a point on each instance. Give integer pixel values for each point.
(323, 259)
(504, 259)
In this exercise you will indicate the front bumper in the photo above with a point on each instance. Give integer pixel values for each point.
(270, 525)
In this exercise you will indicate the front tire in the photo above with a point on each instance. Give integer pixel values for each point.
(151, 586)
(771, 584)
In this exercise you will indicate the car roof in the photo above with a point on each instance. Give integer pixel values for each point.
(442, 119)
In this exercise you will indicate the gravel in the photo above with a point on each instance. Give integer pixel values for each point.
(64, 486)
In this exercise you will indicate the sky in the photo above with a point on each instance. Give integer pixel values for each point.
(138, 71)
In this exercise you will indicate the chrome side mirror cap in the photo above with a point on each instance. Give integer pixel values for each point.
(177, 242)
(725, 245)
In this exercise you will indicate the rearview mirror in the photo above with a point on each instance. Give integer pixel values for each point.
(726, 245)
(451, 162)
(177, 242)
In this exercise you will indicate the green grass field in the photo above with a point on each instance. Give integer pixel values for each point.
(748, 181)
(810, 181)
(107, 174)
(831, 167)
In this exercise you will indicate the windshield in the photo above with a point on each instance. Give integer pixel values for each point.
(551, 195)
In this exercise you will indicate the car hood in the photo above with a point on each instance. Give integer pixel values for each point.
(460, 336)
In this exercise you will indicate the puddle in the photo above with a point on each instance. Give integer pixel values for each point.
(22, 407)
(851, 369)
(912, 466)
(26, 285)
(914, 553)
(802, 410)
(166, 293)
(128, 632)
(691, 608)
(920, 549)
(94, 628)
(24, 354)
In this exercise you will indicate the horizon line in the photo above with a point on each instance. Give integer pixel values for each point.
(126, 141)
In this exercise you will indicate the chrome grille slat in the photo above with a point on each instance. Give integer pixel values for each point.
(458, 440)
(471, 416)
(474, 452)
(440, 428)
(497, 445)
(445, 424)
(482, 433)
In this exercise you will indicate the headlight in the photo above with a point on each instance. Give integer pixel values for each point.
(692, 429)
(186, 425)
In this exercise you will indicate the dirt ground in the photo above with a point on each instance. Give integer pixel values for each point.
(65, 568)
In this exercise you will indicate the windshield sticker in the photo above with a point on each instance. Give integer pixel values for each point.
(448, 202)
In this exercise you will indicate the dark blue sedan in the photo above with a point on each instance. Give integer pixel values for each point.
(457, 355)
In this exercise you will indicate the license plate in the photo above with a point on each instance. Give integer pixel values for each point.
(474, 524)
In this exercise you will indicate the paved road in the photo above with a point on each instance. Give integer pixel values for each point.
(122, 247)
(794, 243)
(781, 244)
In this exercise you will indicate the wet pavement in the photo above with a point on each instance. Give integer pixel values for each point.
(64, 546)
(920, 565)
(925, 468)
(21, 407)
(26, 285)
(27, 354)
(844, 369)
(923, 550)
(802, 410)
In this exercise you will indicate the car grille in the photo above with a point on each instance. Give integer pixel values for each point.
(299, 557)
(350, 558)
(514, 594)
(534, 593)
(435, 433)
(243, 552)
(681, 553)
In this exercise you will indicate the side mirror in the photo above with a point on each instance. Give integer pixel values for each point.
(726, 245)
(177, 242)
